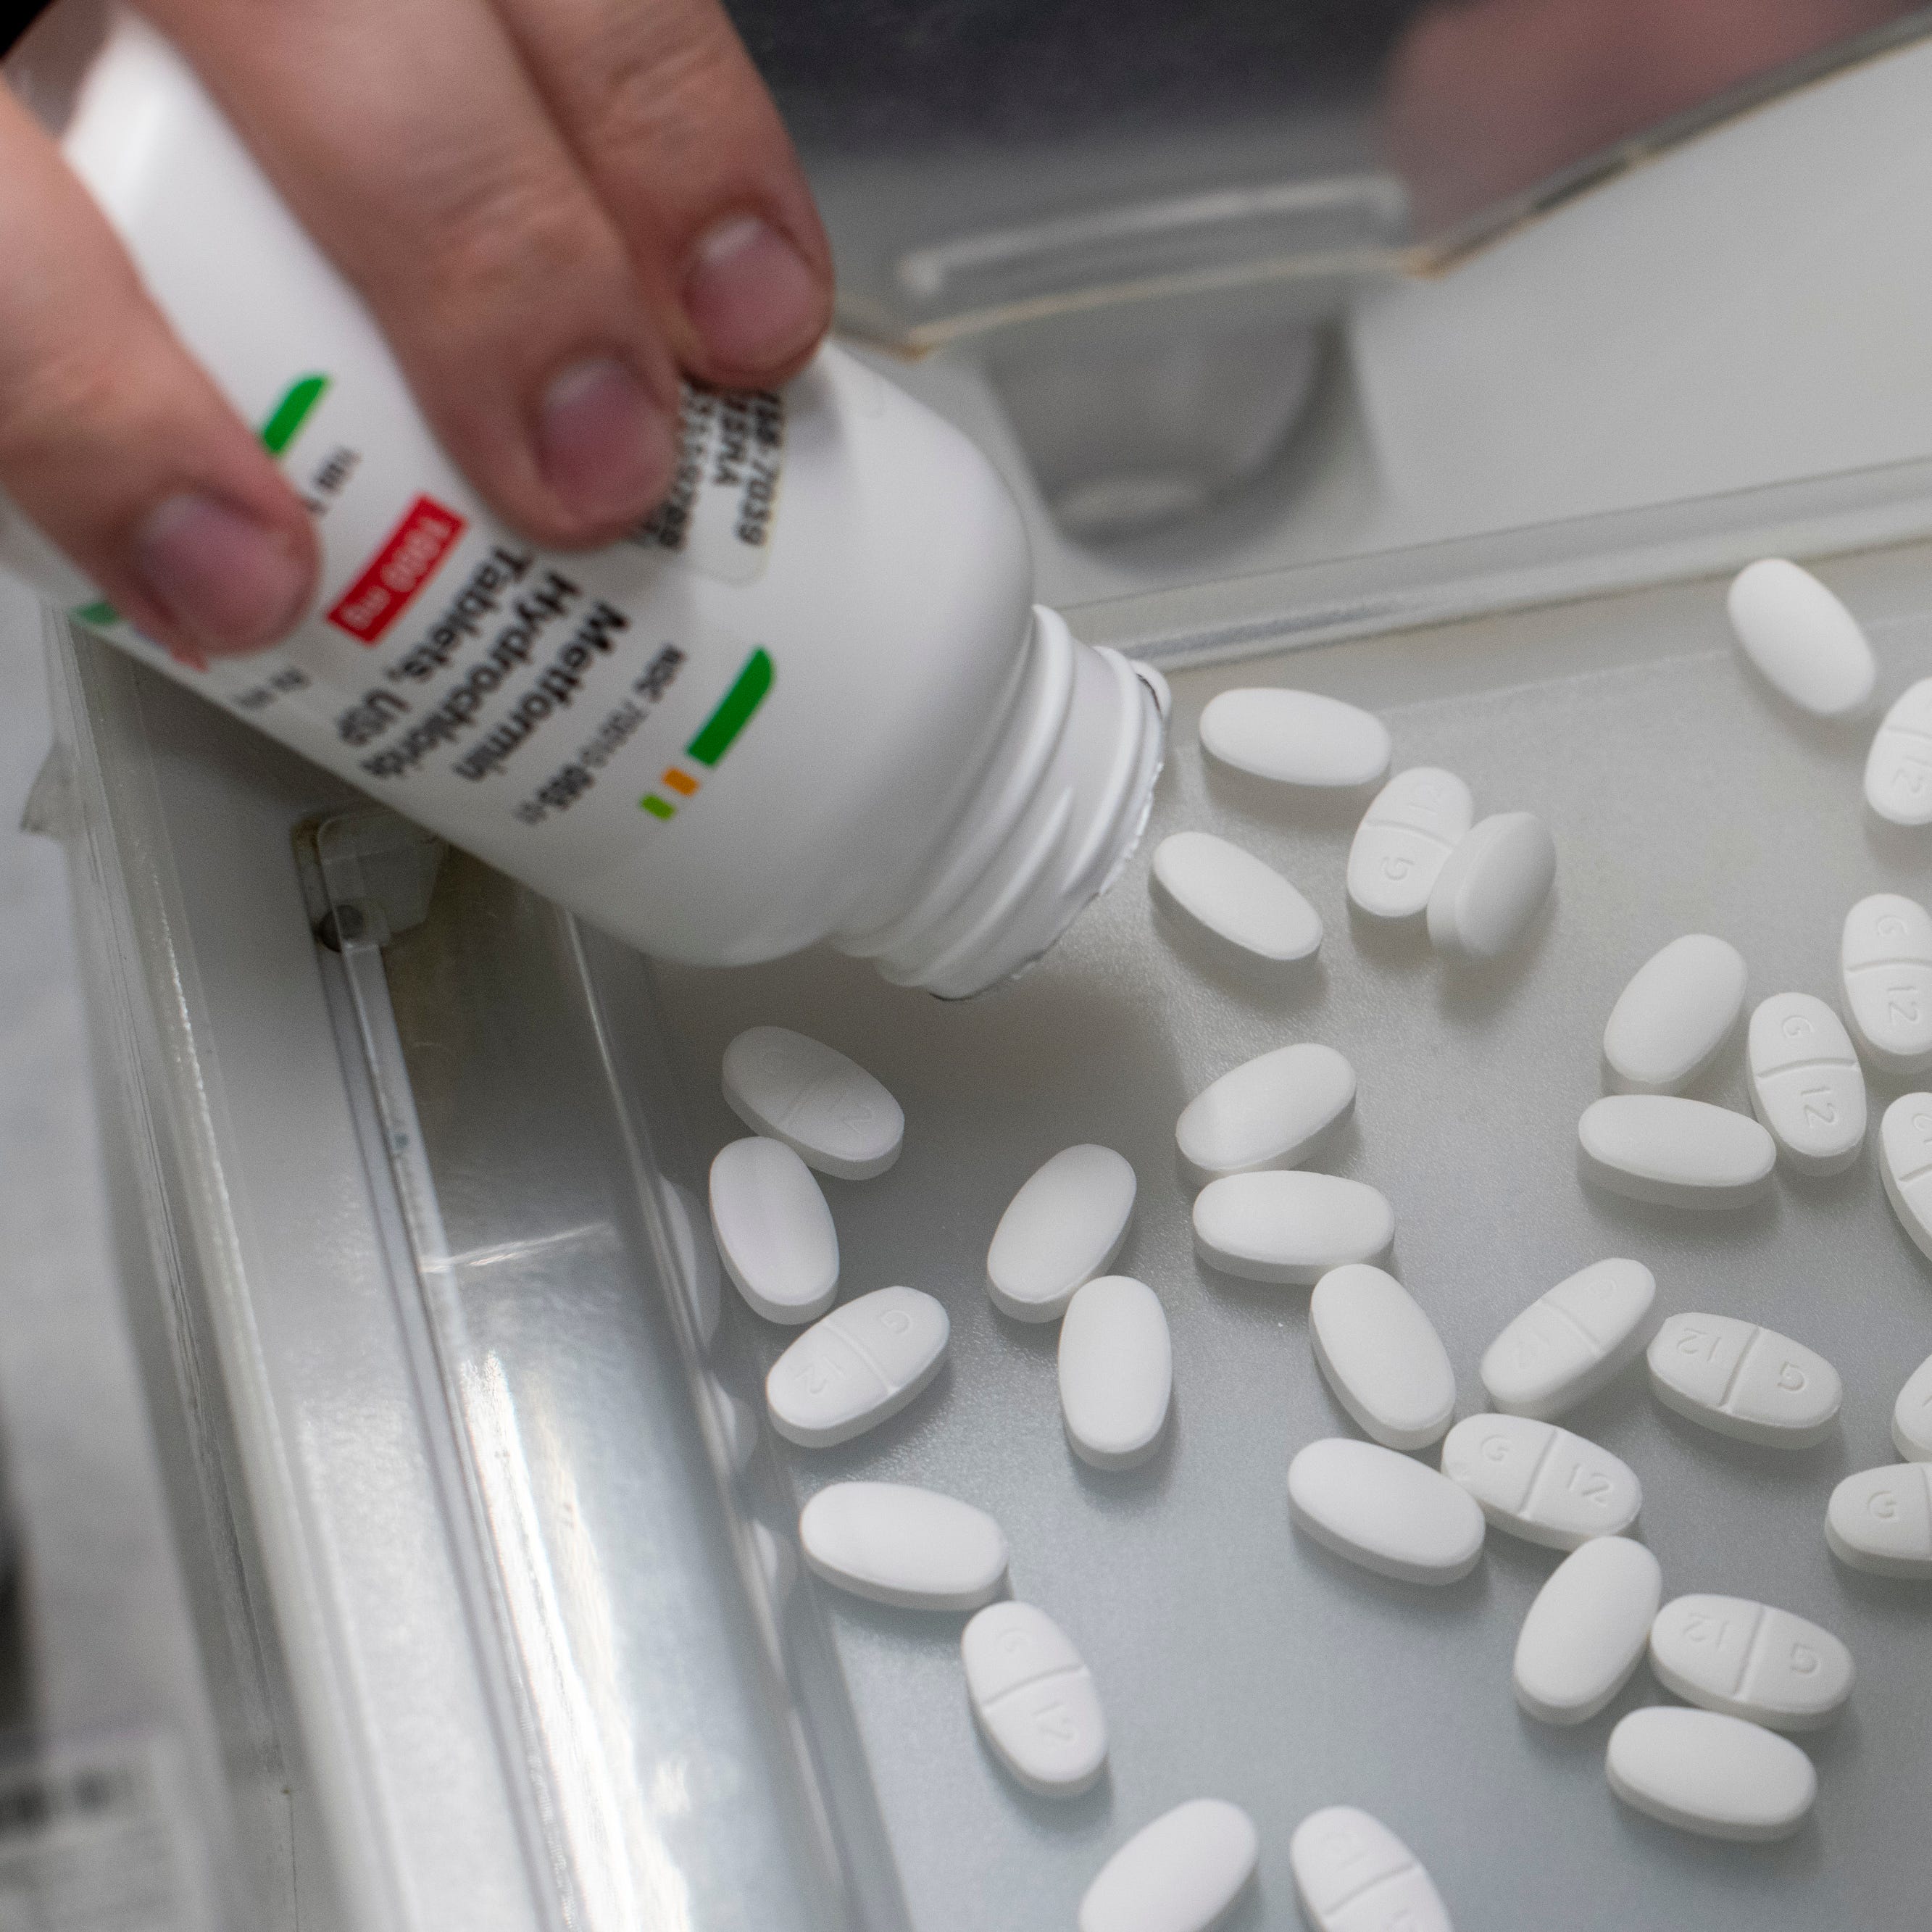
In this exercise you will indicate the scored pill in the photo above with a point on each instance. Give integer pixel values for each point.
(1063, 1227)
(1034, 1699)
(860, 1364)
(1116, 1372)
(1181, 1873)
(1806, 1084)
(1744, 1380)
(1381, 1356)
(1884, 963)
(1703, 1771)
(1353, 1874)
(1269, 1111)
(1290, 1227)
(1405, 837)
(1540, 1482)
(1586, 1631)
(774, 1231)
(1905, 1165)
(897, 1544)
(1881, 1520)
(1236, 897)
(1491, 886)
(1750, 1661)
(1384, 1511)
(1673, 1017)
(1802, 639)
(1912, 1415)
(1671, 1152)
(828, 1109)
(1898, 770)
(1295, 737)
(1570, 1341)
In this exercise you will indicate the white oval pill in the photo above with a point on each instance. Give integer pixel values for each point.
(1491, 886)
(1885, 963)
(1905, 1165)
(1353, 1874)
(1540, 1482)
(1236, 896)
(1746, 1659)
(1674, 1153)
(1061, 1229)
(1269, 1111)
(1672, 1019)
(1295, 737)
(897, 1544)
(826, 1109)
(1881, 1520)
(1181, 1873)
(1383, 1510)
(1744, 1381)
(1116, 1372)
(1570, 1341)
(1382, 1356)
(1585, 1632)
(774, 1231)
(1898, 769)
(1034, 1699)
(1289, 1227)
(1803, 640)
(1912, 1415)
(1704, 1772)
(862, 1362)
(1417, 820)
(1806, 1084)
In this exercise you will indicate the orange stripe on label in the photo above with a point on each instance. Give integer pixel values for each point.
(680, 782)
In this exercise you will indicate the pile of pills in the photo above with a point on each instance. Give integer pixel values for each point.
(1415, 1496)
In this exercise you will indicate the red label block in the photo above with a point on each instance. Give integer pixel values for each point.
(405, 563)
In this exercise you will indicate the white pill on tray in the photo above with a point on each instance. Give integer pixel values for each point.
(1885, 969)
(1703, 1771)
(1384, 1511)
(1744, 1380)
(1905, 1165)
(1295, 737)
(1672, 1019)
(1239, 899)
(855, 1367)
(1749, 1659)
(1571, 1340)
(1586, 1631)
(1898, 769)
(1116, 1367)
(1353, 1874)
(1269, 1111)
(898, 1544)
(1806, 1084)
(827, 1109)
(1381, 1356)
(1671, 1152)
(774, 1231)
(1182, 1872)
(1541, 1482)
(1405, 839)
(1064, 1226)
(1801, 638)
(1290, 1227)
(1034, 1699)
(1912, 1415)
(1881, 1520)
(1491, 886)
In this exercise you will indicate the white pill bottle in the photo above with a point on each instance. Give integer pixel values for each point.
(810, 700)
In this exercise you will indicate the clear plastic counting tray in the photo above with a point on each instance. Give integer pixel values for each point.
(1236, 1659)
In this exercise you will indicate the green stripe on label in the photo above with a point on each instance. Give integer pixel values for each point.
(291, 413)
(656, 807)
(734, 711)
(99, 615)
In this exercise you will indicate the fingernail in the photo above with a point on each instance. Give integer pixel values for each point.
(750, 296)
(603, 444)
(231, 583)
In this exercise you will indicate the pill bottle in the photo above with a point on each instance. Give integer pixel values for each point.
(811, 700)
